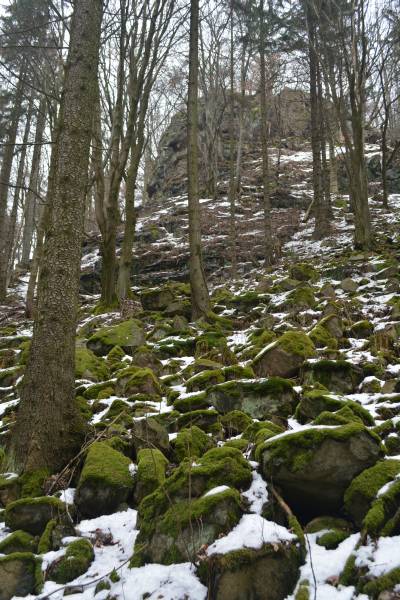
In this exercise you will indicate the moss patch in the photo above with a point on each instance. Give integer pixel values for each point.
(75, 562)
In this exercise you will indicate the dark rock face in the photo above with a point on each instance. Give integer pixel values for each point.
(314, 467)
(17, 575)
(265, 574)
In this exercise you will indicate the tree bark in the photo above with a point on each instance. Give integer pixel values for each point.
(268, 245)
(198, 284)
(31, 197)
(17, 193)
(5, 174)
(48, 429)
(232, 191)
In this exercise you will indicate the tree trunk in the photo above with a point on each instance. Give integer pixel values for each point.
(384, 150)
(17, 193)
(232, 191)
(49, 429)
(198, 284)
(31, 197)
(321, 222)
(5, 174)
(268, 245)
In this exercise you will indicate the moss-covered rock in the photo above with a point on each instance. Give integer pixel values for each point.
(10, 489)
(235, 422)
(251, 432)
(218, 466)
(197, 401)
(327, 522)
(327, 332)
(145, 357)
(301, 298)
(205, 419)
(331, 539)
(361, 329)
(105, 481)
(9, 377)
(128, 335)
(20, 575)
(337, 376)
(157, 298)
(90, 366)
(205, 379)
(33, 514)
(314, 467)
(191, 442)
(285, 356)
(268, 573)
(303, 272)
(114, 358)
(364, 488)
(317, 402)
(105, 389)
(152, 465)
(383, 518)
(137, 380)
(18, 541)
(76, 561)
(260, 399)
(186, 527)
(150, 433)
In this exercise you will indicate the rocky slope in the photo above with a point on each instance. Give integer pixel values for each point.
(254, 454)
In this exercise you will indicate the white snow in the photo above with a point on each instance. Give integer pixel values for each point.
(257, 494)
(217, 490)
(252, 531)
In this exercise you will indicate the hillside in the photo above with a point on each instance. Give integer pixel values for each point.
(258, 444)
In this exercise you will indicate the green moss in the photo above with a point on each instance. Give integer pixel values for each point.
(20, 514)
(380, 584)
(75, 562)
(133, 380)
(349, 574)
(252, 430)
(297, 449)
(127, 334)
(90, 366)
(341, 417)
(331, 539)
(45, 542)
(106, 468)
(322, 337)
(114, 577)
(18, 541)
(316, 403)
(363, 489)
(25, 348)
(362, 329)
(32, 483)
(202, 418)
(238, 372)
(303, 591)
(301, 297)
(297, 342)
(191, 443)
(303, 272)
(218, 466)
(240, 443)
(202, 380)
(196, 401)
(235, 422)
(320, 523)
(152, 465)
(103, 307)
(93, 391)
(382, 517)
(114, 358)
(84, 408)
(32, 565)
(324, 371)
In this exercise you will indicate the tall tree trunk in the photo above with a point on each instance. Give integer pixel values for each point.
(48, 429)
(232, 191)
(31, 197)
(198, 284)
(321, 222)
(5, 174)
(17, 193)
(268, 245)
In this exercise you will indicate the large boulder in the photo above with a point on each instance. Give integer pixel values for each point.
(75, 562)
(337, 376)
(364, 488)
(20, 575)
(181, 532)
(271, 554)
(258, 398)
(129, 335)
(33, 514)
(285, 356)
(152, 465)
(105, 482)
(149, 433)
(137, 380)
(314, 467)
(157, 298)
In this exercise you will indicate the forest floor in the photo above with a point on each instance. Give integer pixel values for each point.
(343, 373)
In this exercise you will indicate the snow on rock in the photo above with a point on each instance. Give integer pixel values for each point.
(252, 531)
(217, 490)
(257, 494)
